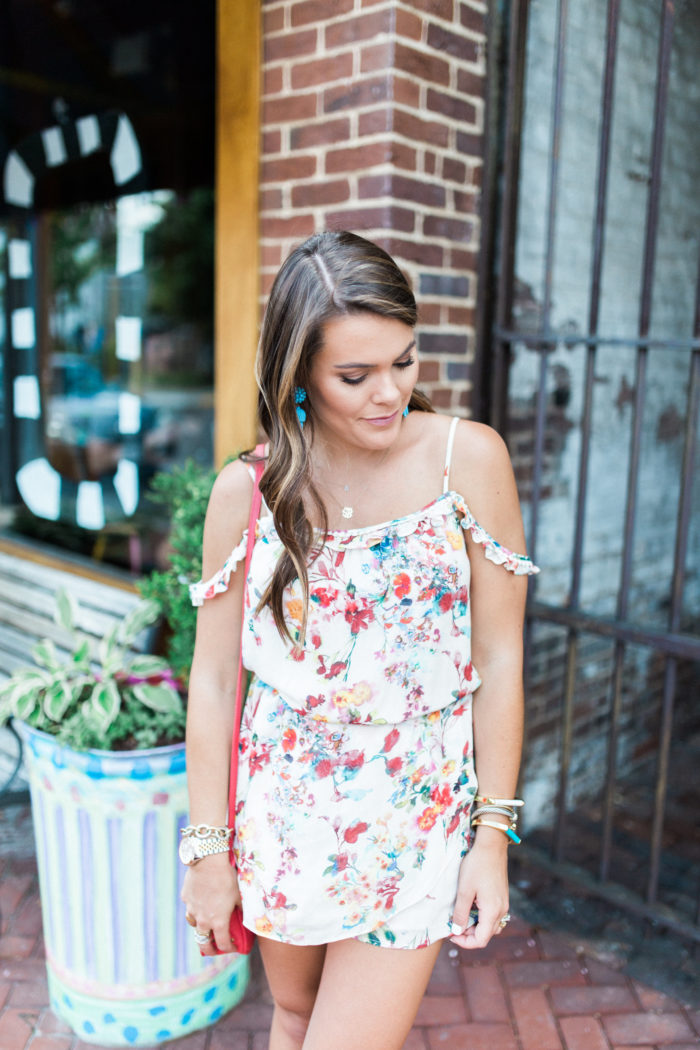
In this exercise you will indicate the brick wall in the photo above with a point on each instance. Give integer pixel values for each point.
(373, 121)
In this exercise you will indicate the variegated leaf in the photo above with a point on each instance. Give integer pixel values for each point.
(158, 697)
(66, 612)
(105, 702)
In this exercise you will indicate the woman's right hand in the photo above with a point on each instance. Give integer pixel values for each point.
(210, 893)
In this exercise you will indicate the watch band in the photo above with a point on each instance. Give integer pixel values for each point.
(206, 846)
(193, 849)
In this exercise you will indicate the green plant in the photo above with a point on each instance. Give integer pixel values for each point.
(185, 493)
(125, 701)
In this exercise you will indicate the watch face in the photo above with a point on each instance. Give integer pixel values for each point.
(188, 851)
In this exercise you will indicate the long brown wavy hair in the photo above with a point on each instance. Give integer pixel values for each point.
(329, 275)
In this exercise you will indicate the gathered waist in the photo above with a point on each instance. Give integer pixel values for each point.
(344, 706)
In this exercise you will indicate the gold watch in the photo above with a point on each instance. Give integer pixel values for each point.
(193, 848)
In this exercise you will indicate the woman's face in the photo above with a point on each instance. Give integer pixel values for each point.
(362, 379)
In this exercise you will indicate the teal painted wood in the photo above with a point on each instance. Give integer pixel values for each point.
(123, 966)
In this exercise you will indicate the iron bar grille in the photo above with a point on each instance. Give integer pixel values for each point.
(595, 348)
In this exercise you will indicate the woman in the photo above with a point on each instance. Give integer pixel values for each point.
(359, 753)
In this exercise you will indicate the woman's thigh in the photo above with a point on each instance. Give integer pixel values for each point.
(368, 997)
(293, 973)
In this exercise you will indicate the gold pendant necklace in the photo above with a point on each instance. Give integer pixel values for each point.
(346, 508)
(347, 511)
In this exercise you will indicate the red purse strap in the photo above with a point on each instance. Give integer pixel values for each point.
(252, 522)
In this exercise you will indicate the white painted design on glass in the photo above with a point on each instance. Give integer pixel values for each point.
(23, 328)
(128, 331)
(90, 510)
(126, 482)
(19, 181)
(19, 254)
(26, 400)
(40, 488)
(54, 146)
(125, 157)
(88, 131)
(129, 413)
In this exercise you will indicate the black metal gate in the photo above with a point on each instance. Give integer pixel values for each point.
(595, 344)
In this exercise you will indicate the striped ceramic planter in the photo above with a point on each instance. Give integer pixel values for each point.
(123, 967)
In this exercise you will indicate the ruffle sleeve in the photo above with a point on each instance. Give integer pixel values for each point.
(518, 564)
(219, 581)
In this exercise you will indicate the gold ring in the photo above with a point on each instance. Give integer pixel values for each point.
(503, 922)
(189, 918)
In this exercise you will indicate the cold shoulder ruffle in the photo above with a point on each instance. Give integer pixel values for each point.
(375, 536)
(219, 582)
(518, 564)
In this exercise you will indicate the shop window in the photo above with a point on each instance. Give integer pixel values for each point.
(106, 265)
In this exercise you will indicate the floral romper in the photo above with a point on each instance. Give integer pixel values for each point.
(356, 775)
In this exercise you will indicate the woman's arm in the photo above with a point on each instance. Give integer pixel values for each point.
(210, 890)
(483, 474)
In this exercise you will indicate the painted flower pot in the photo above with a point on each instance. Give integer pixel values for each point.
(123, 967)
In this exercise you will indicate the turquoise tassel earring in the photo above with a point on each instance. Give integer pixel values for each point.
(405, 412)
(299, 398)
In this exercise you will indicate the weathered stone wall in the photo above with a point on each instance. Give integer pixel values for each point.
(674, 287)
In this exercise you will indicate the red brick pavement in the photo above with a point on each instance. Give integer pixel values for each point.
(529, 990)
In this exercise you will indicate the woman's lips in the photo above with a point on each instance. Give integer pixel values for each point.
(382, 421)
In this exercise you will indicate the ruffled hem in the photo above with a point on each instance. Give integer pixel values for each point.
(518, 564)
(372, 535)
(438, 509)
(219, 582)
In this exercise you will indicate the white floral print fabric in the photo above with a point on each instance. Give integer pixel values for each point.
(357, 775)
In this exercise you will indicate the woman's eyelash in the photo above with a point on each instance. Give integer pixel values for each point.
(361, 379)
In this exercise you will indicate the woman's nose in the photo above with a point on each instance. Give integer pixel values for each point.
(385, 389)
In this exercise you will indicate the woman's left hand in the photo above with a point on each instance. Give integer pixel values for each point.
(483, 884)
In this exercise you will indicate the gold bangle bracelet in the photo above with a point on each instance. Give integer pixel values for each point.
(492, 801)
(499, 827)
(206, 831)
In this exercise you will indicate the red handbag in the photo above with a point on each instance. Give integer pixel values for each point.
(243, 939)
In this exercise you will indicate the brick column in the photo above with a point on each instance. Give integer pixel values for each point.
(373, 121)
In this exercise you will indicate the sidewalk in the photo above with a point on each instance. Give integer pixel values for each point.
(529, 990)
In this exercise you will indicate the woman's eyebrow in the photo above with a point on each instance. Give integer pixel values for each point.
(360, 365)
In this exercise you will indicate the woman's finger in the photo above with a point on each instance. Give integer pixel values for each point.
(221, 935)
(479, 934)
(205, 941)
(489, 924)
(465, 916)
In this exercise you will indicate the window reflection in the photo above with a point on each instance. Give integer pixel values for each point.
(128, 363)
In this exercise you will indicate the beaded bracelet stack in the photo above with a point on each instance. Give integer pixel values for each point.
(507, 808)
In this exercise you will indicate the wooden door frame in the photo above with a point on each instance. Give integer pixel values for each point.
(237, 243)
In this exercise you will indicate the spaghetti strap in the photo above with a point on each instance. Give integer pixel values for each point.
(264, 509)
(448, 454)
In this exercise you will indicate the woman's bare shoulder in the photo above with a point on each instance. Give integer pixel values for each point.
(482, 471)
(232, 488)
(227, 513)
(476, 448)
(432, 427)
(479, 448)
